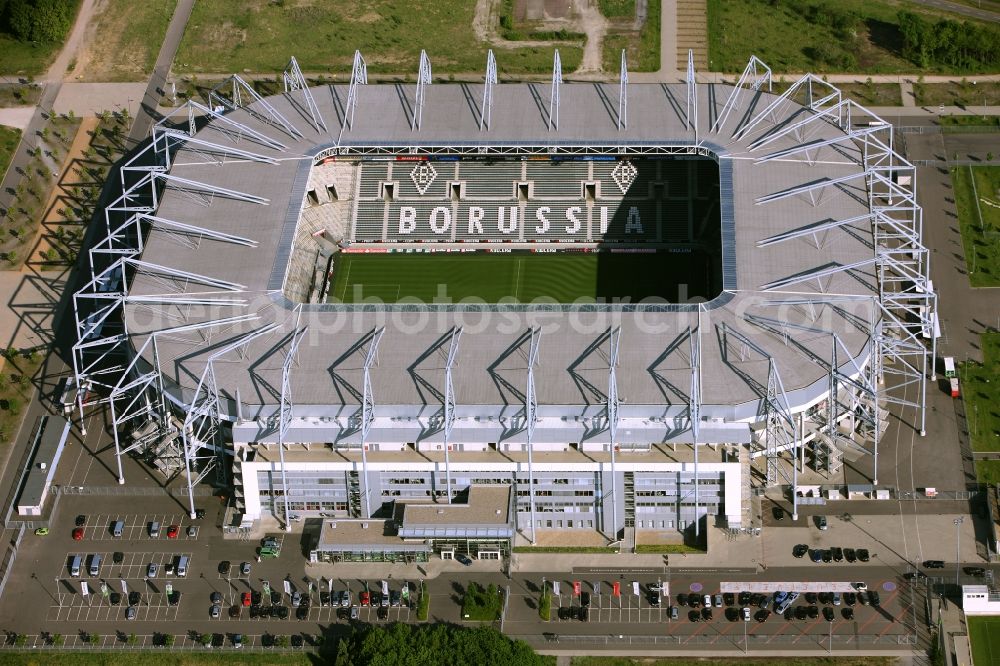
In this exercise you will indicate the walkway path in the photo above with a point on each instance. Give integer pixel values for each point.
(17, 116)
(58, 69)
(147, 114)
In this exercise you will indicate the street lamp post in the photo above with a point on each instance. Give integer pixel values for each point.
(958, 546)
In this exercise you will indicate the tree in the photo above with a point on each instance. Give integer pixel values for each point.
(20, 640)
(57, 639)
(420, 645)
(205, 639)
(132, 639)
(281, 641)
(168, 640)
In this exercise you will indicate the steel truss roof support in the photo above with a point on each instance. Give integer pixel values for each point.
(771, 110)
(202, 423)
(781, 433)
(181, 137)
(756, 73)
(694, 401)
(449, 402)
(530, 408)
(184, 183)
(857, 383)
(833, 112)
(424, 79)
(486, 115)
(554, 95)
(293, 80)
(238, 89)
(809, 188)
(813, 230)
(623, 94)
(368, 408)
(233, 129)
(691, 121)
(144, 392)
(359, 77)
(852, 136)
(612, 407)
(285, 409)
(818, 274)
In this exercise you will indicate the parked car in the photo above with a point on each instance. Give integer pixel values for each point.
(799, 550)
(245, 569)
(821, 522)
(706, 601)
(811, 598)
(255, 598)
(673, 612)
(81, 520)
(245, 599)
(694, 616)
(847, 613)
(838, 553)
(174, 598)
(77, 534)
(130, 613)
(873, 598)
(762, 615)
(238, 640)
(345, 599)
(115, 598)
(801, 612)
(224, 567)
(302, 612)
(192, 531)
(396, 598)
(366, 598)
(654, 599)
(216, 598)
(862, 554)
(172, 531)
(849, 555)
(706, 614)
(118, 557)
(134, 598)
(816, 555)
(718, 601)
(354, 612)
(974, 571)
(729, 598)
(778, 513)
(828, 614)
(813, 612)
(746, 614)
(764, 601)
(827, 556)
(324, 598)
(41, 531)
(850, 598)
(151, 570)
(464, 559)
(296, 599)
(933, 564)
(786, 603)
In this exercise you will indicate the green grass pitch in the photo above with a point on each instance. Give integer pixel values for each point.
(984, 635)
(524, 277)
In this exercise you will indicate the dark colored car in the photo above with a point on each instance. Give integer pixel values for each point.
(863, 554)
(134, 597)
(762, 615)
(850, 598)
(764, 601)
(828, 614)
(682, 599)
(847, 613)
(816, 555)
(224, 567)
(862, 598)
(115, 598)
(81, 520)
(118, 557)
(216, 597)
(821, 522)
(934, 564)
(800, 550)
(801, 612)
(838, 554)
(778, 513)
(729, 598)
(324, 598)
(813, 612)
(654, 599)
(974, 571)
(849, 555)
(873, 598)
(302, 612)
(694, 600)
(914, 575)
(584, 599)
(827, 556)
(174, 598)
(254, 612)
(464, 560)
(275, 597)
(810, 598)
(282, 612)
(255, 598)
(744, 598)
(694, 616)
(706, 614)
(584, 614)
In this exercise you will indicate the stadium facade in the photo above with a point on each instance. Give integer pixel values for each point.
(209, 328)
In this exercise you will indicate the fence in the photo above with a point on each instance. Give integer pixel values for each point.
(131, 491)
(753, 641)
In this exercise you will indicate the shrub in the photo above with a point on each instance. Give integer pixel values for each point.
(423, 604)
(545, 606)
(57, 639)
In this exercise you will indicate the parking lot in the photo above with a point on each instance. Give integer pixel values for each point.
(98, 527)
(134, 566)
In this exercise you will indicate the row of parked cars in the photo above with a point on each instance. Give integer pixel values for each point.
(757, 606)
(835, 554)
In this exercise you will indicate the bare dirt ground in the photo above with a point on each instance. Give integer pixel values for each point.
(575, 16)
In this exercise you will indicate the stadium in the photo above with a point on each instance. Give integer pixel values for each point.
(454, 318)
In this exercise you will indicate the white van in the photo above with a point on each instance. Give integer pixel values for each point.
(117, 528)
(95, 565)
(182, 566)
(74, 566)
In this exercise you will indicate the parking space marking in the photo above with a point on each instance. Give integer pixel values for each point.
(136, 526)
(133, 566)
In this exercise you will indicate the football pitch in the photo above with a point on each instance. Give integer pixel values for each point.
(984, 636)
(523, 277)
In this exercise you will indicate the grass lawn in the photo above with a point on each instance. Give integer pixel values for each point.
(779, 34)
(961, 93)
(977, 197)
(482, 605)
(981, 392)
(642, 50)
(524, 277)
(128, 36)
(9, 138)
(707, 661)
(149, 658)
(15, 392)
(965, 122)
(565, 549)
(984, 634)
(226, 36)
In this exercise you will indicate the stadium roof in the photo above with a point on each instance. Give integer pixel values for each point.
(739, 331)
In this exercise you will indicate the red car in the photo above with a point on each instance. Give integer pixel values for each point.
(246, 599)
(78, 534)
(365, 598)
(172, 531)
